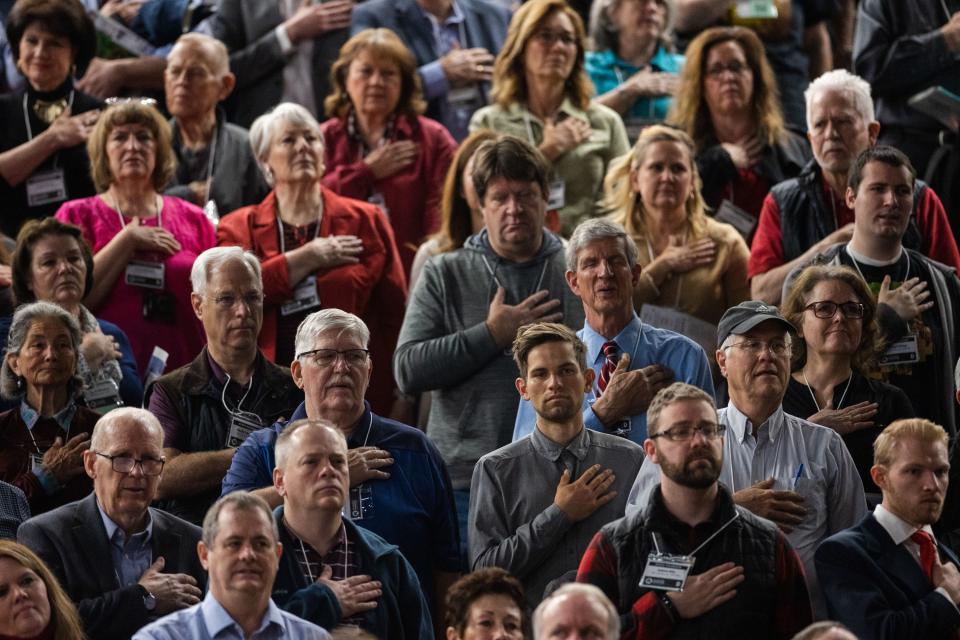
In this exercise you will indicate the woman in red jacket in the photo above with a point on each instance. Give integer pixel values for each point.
(378, 147)
(318, 249)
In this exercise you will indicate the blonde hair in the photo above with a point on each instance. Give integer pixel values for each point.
(625, 204)
(690, 111)
(908, 429)
(124, 113)
(509, 79)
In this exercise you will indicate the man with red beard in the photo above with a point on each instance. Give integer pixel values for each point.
(888, 577)
(536, 503)
(691, 562)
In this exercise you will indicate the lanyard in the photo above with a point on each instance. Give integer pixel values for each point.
(123, 224)
(845, 389)
(536, 287)
(223, 398)
(210, 162)
(862, 277)
(283, 246)
(306, 560)
(26, 117)
(702, 544)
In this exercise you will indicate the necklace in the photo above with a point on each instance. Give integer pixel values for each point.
(814, 397)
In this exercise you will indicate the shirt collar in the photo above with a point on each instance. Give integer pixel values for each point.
(740, 425)
(898, 528)
(454, 19)
(567, 108)
(64, 417)
(216, 618)
(112, 527)
(626, 339)
(551, 450)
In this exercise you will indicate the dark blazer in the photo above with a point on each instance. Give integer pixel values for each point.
(485, 24)
(878, 589)
(73, 542)
(248, 28)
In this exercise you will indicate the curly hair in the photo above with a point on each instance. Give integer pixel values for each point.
(690, 111)
(871, 342)
(490, 581)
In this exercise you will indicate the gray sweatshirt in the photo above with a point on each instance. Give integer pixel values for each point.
(445, 345)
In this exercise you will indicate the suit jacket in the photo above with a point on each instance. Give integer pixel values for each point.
(248, 29)
(878, 589)
(73, 542)
(485, 24)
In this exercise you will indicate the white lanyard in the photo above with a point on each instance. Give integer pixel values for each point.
(713, 535)
(213, 153)
(845, 389)
(862, 277)
(123, 224)
(223, 397)
(26, 116)
(283, 245)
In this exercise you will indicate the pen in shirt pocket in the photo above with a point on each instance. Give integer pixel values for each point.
(799, 475)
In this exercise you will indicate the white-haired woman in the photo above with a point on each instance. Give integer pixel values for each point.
(42, 440)
(318, 249)
(633, 65)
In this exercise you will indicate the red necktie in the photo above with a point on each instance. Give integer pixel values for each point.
(609, 364)
(928, 551)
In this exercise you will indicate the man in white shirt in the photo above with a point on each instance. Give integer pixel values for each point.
(795, 473)
(888, 577)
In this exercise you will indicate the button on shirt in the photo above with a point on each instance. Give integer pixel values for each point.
(132, 555)
(900, 531)
(210, 621)
(646, 345)
(514, 522)
(829, 481)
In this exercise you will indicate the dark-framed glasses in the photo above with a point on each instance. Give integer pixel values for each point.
(828, 309)
(684, 432)
(326, 357)
(126, 464)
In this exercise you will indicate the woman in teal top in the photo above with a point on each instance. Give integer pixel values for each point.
(633, 66)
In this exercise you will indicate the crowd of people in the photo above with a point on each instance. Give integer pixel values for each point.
(476, 319)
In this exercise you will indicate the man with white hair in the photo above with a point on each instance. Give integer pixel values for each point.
(576, 610)
(399, 487)
(214, 161)
(121, 561)
(208, 407)
(803, 216)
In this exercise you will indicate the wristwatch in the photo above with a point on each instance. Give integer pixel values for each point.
(149, 600)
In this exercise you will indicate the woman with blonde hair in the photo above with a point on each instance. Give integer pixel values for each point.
(33, 605)
(691, 262)
(728, 104)
(541, 94)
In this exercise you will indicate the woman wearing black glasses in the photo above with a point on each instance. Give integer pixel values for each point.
(837, 338)
(43, 438)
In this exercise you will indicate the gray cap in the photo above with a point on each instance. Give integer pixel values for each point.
(747, 315)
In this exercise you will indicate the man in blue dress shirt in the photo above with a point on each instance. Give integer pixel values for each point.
(632, 361)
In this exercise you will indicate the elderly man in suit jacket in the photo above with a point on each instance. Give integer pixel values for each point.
(888, 577)
(122, 562)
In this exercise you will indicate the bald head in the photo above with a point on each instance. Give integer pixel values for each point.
(294, 433)
(579, 609)
(125, 419)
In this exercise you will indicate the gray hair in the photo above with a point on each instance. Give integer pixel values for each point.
(265, 128)
(142, 417)
(281, 449)
(240, 501)
(603, 33)
(23, 319)
(853, 87)
(599, 229)
(588, 591)
(214, 258)
(214, 53)
(328, 320)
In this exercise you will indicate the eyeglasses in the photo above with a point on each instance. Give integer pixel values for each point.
(126, 464)
(828, 309)
(228, 300)
(756, 347)
(684, 432)
(736, 68)
(550, 38)
(326, 357)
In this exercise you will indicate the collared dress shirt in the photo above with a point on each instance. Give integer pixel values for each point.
(646, 345)
(210, 621)
(132, 555)
(514, 522)
(828, 481)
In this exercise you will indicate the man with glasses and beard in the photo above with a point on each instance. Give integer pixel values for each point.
(691, 562)
(536, 503)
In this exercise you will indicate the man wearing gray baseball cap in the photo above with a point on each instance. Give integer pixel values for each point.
(795, 473)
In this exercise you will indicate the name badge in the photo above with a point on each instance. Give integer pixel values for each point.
(361, 502)
(304, 297)
(755, 9)
(463, 96)
(103, 397)
(737, 218)
(903, 351)
(212, 212)
(142, 273)
(557, 195)
(36, 463)
(378, 199)
(666, 572)
(621, 429)
(45, 187)
(242, 424)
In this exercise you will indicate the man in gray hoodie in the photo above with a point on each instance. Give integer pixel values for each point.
(465, 309)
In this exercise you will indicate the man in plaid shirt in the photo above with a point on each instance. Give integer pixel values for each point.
(743, 574)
